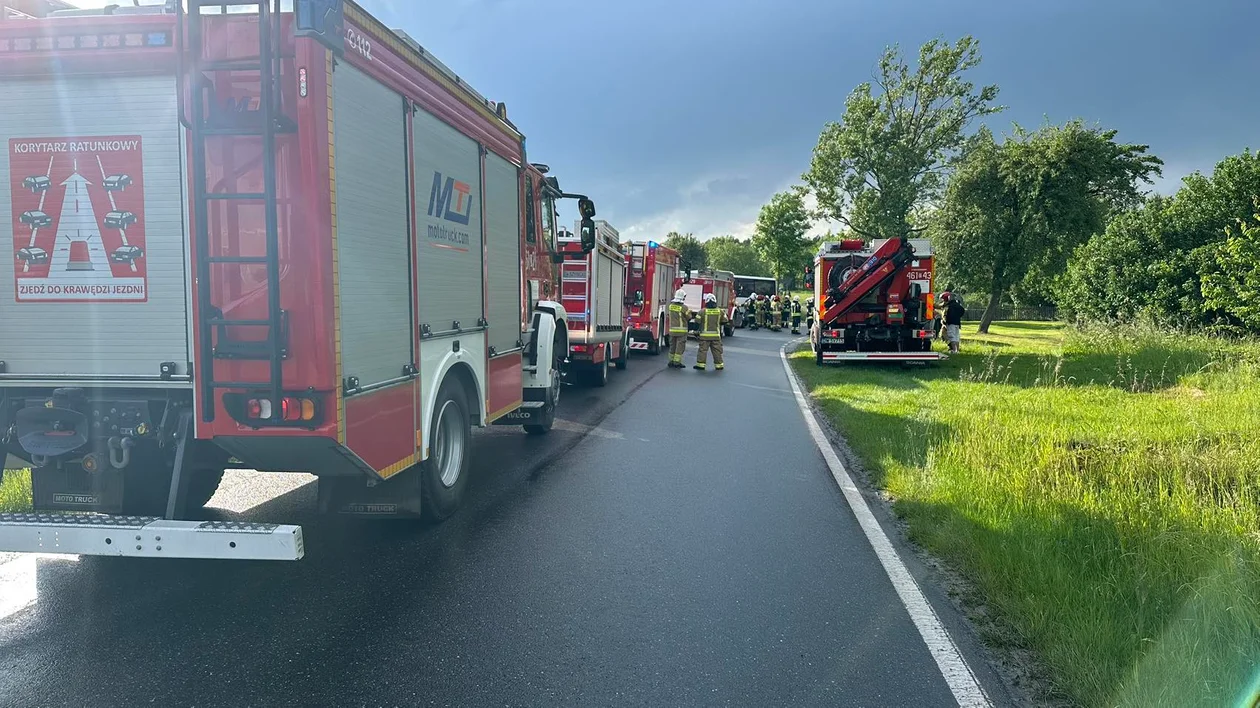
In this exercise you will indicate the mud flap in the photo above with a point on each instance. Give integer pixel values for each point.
(396, 497)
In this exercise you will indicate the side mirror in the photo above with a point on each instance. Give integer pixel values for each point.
(638, 297)
(588, 233)
(586, 208)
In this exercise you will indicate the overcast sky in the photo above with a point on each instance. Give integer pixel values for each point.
(689, 114)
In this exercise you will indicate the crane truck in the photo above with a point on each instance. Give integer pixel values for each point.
(275, 240)
(874, 302)
(649, 288)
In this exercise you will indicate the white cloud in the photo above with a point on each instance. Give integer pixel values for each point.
(716, 204)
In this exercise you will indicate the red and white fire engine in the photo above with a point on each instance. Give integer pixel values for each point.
(592, 290)
(721, 283)
(273, 240)
(874, 302)
(649, 288)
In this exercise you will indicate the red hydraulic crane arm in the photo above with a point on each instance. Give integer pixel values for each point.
(882, 264)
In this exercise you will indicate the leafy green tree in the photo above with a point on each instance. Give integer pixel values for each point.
(1231, 283)
(1150, 263)
(736, 255)
(691, 252)
(1022, 205)
(780, 233)
(879, 168)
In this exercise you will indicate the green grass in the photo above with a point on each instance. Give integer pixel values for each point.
(1099, 490)
(15, 491)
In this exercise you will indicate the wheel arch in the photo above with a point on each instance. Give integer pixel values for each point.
(454, 369)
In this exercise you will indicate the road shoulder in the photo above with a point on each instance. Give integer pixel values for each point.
(1006, 676)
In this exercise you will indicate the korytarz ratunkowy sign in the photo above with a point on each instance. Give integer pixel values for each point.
(78, 219)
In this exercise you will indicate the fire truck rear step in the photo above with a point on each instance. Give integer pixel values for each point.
(148, 537)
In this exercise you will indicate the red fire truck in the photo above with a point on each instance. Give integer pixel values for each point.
(721, 283)
(592, 290)
(304, 244)
(874, 302)
(649, 288)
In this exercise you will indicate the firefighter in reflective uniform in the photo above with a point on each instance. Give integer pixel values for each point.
(809, 314)
(759, 315)
(796, 314)
(712, 319)
(679, 316)
(776, 315)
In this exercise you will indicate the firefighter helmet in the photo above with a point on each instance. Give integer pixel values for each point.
(710, 298)
(680, 295)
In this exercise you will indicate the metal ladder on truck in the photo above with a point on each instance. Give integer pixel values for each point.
(208, 120)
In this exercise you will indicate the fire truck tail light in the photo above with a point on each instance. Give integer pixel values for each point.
(258, 408)
(293, 409)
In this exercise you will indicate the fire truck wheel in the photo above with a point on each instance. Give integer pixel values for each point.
(818, 356)
(147, 482)
(553, 389)
(654, 346)
(444, 476)
(202, 485)
(599, 374)
(624, 358)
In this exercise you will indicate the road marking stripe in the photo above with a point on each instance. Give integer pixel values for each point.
(958, 675)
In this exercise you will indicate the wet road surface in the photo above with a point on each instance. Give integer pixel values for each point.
(676, 541)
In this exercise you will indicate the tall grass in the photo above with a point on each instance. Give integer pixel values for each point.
(15, 491)
(1099, 488)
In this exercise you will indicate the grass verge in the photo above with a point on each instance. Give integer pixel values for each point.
(1098, 489)
(15, 491)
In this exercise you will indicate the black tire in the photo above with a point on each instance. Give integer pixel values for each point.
(654, 346)
(624, 359)
(202, 485)
(599, 374)
(553, 391)
(818, 356)
(728, 331)
(147, 481)
(444, 476)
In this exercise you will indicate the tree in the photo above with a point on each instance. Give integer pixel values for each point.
(1231, 282)
(780, 233)
(691, 251)
(1024, 204)
(1150, 263)
(736, 255)
(886, 161)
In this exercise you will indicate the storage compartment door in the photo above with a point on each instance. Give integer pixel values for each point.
(603, 284)
(448, 202)
(373, 238)
(92, 228)
(503, 253)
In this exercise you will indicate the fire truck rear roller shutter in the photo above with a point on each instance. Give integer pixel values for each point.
(503, 245)
(448, 206)
(62, 335)
(372, 244)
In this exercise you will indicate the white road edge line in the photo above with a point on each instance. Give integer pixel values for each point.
(958, 675)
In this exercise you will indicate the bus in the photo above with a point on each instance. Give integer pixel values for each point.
(746, 285)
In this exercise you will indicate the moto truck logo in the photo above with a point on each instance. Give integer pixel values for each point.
(449, 200)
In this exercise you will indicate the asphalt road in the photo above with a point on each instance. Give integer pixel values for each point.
(677, 541)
